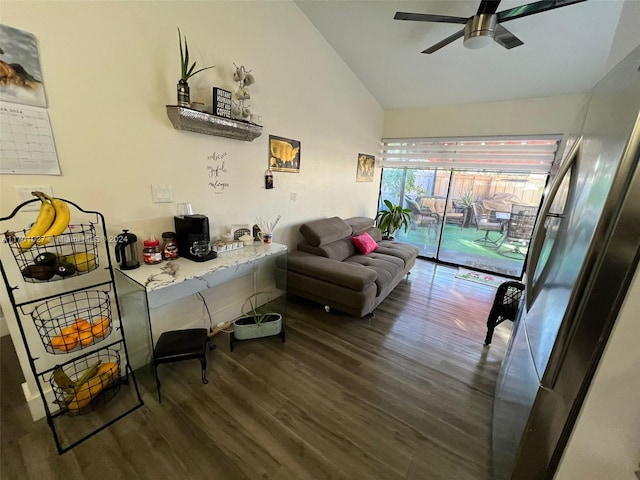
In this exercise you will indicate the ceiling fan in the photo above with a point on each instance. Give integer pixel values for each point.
(486, 25)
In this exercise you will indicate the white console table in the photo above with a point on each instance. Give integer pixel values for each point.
(150, 287)
(171, 280)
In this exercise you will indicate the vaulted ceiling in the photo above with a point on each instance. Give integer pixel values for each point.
(565, 50)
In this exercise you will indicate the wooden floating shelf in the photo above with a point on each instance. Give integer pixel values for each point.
(191, 120)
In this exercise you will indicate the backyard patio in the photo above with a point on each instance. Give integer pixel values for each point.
(464, 246)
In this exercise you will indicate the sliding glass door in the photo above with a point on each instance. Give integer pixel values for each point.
(473, 201)
(477, 219)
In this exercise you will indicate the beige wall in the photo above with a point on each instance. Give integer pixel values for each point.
(528, 116)
(111, 67)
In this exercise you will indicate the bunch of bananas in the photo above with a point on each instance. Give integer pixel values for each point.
(80, 393)
(53, 219)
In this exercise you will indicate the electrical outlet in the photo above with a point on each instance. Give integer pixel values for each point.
(23, 194)
(161, 193)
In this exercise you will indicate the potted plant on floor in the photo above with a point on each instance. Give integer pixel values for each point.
(256, 321)
(466, 203)
(392, 218)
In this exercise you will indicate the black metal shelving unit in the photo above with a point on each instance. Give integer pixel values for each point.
(85, 305)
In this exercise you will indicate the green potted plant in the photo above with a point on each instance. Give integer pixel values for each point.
(392, 218)
(256, 321)
(466, 203)
(186, 72)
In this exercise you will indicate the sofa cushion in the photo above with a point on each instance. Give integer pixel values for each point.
(364, 243)
(397, 262)
(387, 272)
(338, 250)
(407, 253)
(326, 230)
(375, 233)
(360, 224)
(355, 277)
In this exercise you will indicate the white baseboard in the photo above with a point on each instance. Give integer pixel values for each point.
(34, 402)
(4, 330)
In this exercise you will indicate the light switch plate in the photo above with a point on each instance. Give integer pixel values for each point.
(161, 193)
(23, 194)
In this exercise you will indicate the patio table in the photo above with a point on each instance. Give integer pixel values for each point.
(503, 218)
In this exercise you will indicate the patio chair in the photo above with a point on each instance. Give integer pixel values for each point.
(505, 306)
(444, 209)
(421, 216)
(519, 230)
(484, 223)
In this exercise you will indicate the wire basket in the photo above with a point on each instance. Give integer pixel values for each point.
(73, 321)
(71, 253)
(84, 384)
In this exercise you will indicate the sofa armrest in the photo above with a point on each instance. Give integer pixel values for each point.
(350, 275)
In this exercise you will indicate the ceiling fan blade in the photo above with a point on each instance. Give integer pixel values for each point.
(533, 8)
(505, 38)
(488, 7)
(444, 42)
(425, 17)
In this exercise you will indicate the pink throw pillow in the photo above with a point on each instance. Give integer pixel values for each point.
(365, 243)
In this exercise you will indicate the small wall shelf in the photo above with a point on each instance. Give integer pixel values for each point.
(192, 120)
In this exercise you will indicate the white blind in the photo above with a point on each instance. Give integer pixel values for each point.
(533, 153)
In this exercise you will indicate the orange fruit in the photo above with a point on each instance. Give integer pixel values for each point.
(104, 322)
(58, 343)
(101, 327)
(85, 337)
(69, 330)
(98, 331)
(69, 342)
(82, 324)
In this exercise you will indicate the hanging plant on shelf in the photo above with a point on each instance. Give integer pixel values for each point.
(186, 72)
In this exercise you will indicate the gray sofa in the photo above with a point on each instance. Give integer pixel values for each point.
(328, 268)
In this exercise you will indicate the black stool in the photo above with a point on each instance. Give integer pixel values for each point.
(178, 345)
(505, 306)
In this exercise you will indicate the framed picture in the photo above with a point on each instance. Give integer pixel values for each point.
(366, 163)
(20, 68)
(284, 154)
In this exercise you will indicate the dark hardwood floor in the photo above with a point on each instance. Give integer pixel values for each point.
(406, 394)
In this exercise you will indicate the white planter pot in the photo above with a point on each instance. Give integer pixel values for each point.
(245, 328)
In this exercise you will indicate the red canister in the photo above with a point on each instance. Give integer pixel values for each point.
(151, 252)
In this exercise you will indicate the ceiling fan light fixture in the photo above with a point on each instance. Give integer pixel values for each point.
(480, 30)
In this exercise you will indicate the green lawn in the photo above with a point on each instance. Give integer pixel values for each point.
(459, 246)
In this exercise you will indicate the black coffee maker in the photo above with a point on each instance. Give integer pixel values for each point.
(191, 229)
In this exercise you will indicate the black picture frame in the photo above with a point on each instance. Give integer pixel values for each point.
(284, 154)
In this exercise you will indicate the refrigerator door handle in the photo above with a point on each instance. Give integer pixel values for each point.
(539, 230)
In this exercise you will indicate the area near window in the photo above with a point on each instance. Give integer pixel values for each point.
(473, 201)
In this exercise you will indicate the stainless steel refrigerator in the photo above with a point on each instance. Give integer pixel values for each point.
(582, 257)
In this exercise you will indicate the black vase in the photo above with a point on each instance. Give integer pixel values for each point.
(183, 94)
